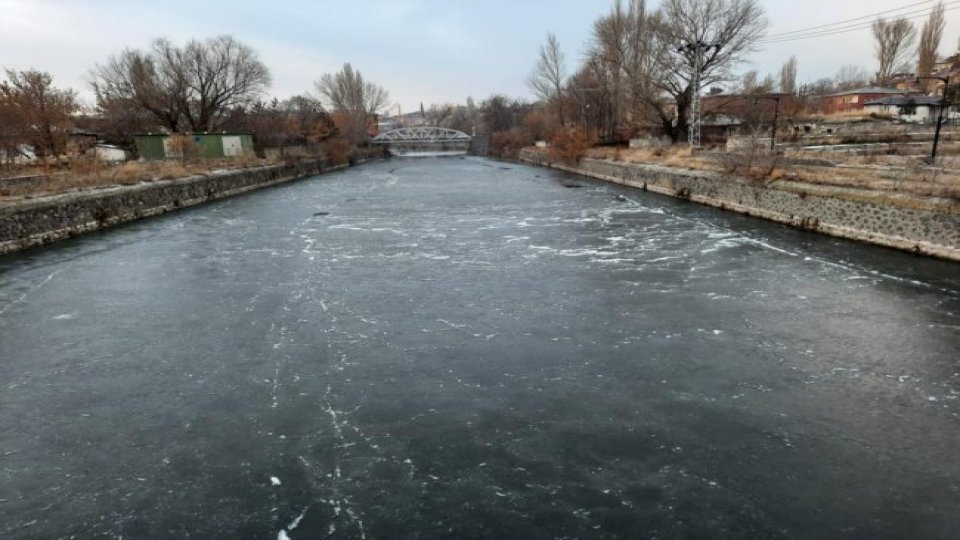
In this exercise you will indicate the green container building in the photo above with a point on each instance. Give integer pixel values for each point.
(202, 145)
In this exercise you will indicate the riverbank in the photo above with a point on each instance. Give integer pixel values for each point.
(922, 225)
(34, 222)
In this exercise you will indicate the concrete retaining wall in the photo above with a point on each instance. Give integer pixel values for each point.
(43, 220)
(929, 226)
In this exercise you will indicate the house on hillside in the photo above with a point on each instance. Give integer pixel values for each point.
(730, 114)
(949, 67)
(913, 109)
(747, 108)
(854, 100)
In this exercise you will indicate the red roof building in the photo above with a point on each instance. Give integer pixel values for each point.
(855, 99)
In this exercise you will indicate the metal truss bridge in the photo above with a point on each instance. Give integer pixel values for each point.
(424, 141)
(422, 135)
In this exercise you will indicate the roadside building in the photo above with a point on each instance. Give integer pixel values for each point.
(725, 115)
(950, 68)
(912, 109)
(854, 100)
(109, 153)
(79, 142)
(200, 145)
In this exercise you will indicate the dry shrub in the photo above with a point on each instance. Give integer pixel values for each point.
(508, 144)
(539, 124)
(86, 166)
(755, 160)
(339, 150)
(569, 145)
(675, 156)
(751, 163)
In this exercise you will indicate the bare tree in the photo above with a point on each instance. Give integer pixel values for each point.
(116, 122)
(12, 126)
(788, 76)
(191, 87)
(352, 98)
(893, 44)
(549, 75)
(592, 94)
(41, 112)
(221, 73)
(851, 76)
(465, 118)
(142, 80)
(820, 87)
(767, 85)
(621, 67)
(749, 81)
(346, 91)
(930, 37)
(731, 29)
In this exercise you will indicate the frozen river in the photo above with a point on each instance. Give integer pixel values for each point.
(462, 348)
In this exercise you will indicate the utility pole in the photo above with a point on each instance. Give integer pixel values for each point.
(776, 119)
(943, 105)
(697, 49)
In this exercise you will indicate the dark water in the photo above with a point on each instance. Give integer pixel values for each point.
(459, 348)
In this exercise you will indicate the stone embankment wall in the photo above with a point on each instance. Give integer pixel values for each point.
(39, 221)
(923, 225)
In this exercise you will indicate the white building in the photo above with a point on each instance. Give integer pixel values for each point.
(913, 109)
(110, 153)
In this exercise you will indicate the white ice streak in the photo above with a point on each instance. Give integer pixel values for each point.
(36, 287)
(347, 227)
(586, 253)
(296, 522)
(611, 261)
(450, 324)
(274, 398)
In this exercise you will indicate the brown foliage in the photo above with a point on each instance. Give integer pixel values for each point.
(539, 124)
(35, 113)
(339, 150)
(569, 145)
(507, 144)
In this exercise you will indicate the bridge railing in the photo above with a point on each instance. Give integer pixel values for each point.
(421, 135)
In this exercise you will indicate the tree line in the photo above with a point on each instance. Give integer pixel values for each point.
(201, 86)
(643, 65)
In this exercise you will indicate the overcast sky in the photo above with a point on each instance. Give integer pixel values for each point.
(428, 51)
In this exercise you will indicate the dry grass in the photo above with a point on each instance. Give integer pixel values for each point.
(915, 179)
(87, 173)
(919, 181)
(670, 156)
(83, 174)
(893, 155)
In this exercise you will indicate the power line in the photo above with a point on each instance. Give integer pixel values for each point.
(845, 21)
(948, 7)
